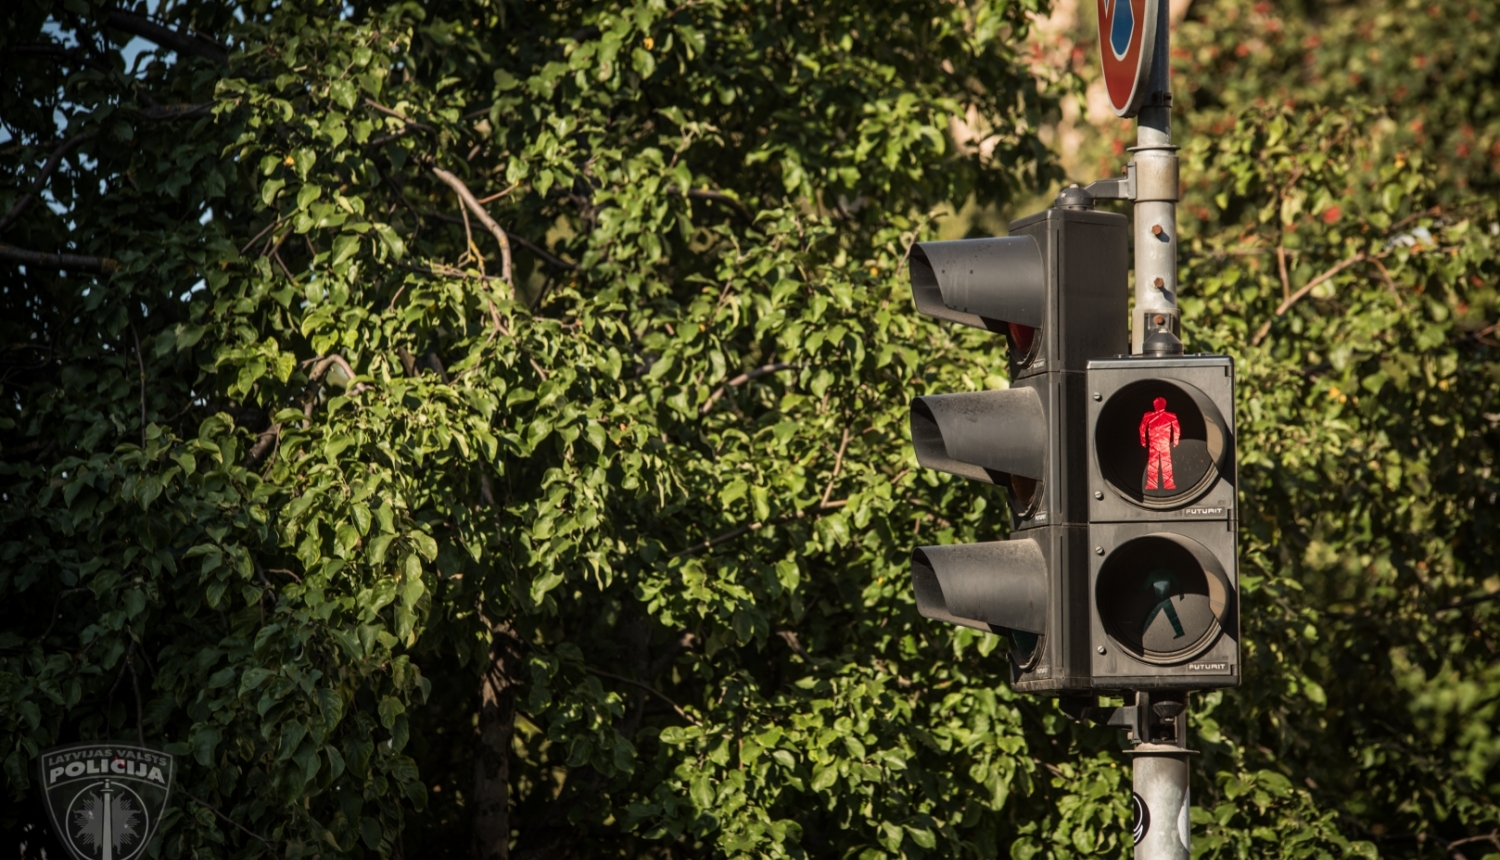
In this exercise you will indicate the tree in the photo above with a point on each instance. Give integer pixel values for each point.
(483, 426)
(381, 464)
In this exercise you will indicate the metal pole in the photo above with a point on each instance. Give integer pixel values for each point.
(1159, 777)
(1159, 772)
(1156, 198)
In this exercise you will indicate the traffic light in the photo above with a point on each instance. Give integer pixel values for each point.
(1031, 588)
(1055, 287)
(1056, 290)
(1161, 471)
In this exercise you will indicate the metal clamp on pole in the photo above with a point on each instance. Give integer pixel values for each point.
(1122, 188)
(1159, 776)
(1156, 725)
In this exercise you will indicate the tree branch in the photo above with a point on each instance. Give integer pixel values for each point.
(55, 606)
(514, 237)
(141, 365)
(1286, 281)
(266, 441)
(447, 271)
(744, 378)
(51, 165)
(182, 43)
(1471, 601)
(465, 195)
(470, 249)
(498, 194)
(1287, 303)
(72, 262)
(397, 114)
(720, 197)
(322, 364)
(542, 252)
(1492, 838)
(1394, 228)
(652, 690)
(58, 51)
(140, 711)
(249, 833)
(168, 113)
(264, 230)
(789, 636)
(838, 463)
(659, 665)
(755, 527)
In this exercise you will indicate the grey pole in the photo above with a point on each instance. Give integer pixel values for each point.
(1156, 195)
(1159, 777)
(1159, 772)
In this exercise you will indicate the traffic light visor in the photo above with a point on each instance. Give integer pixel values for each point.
(981, 435)
(997, 586)
(983, 283)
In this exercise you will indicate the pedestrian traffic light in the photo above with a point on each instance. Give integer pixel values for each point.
(1163, 574)
(1056, 288)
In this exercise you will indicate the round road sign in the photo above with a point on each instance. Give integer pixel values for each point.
(1127, 41)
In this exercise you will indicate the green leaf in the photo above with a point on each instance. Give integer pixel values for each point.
(702, 793)
(204, 740)
(344, 247)
(824, 778)
(308, 194)
(391, 240)
(389, 709)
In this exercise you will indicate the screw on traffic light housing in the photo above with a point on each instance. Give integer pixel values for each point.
(1056, 289)
(1163, 577)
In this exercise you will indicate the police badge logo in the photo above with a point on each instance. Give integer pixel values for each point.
(106, 799)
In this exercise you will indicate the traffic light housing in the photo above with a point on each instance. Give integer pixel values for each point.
(1025, 439)
(1163, 575)
(1031, 589)
(1056, 288)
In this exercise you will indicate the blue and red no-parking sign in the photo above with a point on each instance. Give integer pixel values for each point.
(1127, 41)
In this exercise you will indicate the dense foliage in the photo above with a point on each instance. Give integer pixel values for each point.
(473, 421)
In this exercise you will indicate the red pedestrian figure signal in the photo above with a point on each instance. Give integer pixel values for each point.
(1160, 433)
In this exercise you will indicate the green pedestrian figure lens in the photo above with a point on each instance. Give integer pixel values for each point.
(1162, 583)
(1162, 597)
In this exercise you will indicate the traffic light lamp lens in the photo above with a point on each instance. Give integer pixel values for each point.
(1023, 341)
(1024, 648)
(1163, 598)
(1024, 495)
(1161, 443)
